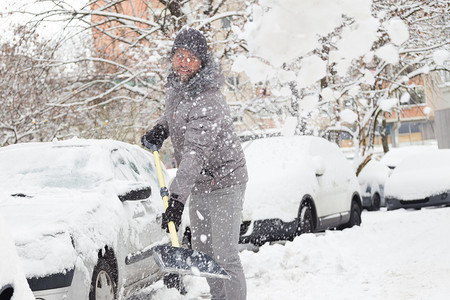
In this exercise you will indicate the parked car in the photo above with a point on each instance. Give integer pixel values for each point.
(84, 215)
(297, 185)
(420, 180)
(371, 181)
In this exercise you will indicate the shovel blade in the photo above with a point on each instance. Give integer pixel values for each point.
(187, 261)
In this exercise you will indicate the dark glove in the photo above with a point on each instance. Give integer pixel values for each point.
(173, 213)
(155, 137)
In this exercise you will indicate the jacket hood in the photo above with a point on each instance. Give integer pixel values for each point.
(208, 77)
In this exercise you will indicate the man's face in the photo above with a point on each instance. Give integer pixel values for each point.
(185, 64)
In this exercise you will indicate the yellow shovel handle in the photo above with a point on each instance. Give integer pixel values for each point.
(165, 198)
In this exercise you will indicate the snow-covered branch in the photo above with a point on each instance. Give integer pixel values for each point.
(203, 22)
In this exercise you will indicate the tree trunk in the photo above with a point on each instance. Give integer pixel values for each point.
(384, 136)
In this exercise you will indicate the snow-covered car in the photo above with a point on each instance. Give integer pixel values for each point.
(296, 185)
(371, 181)
(420, 180)
(84, 215)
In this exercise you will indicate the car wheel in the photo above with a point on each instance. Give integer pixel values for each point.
(305, 220)
(103, 286)
(355, 215)
(376, 203)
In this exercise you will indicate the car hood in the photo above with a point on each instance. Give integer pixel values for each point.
(52, 227)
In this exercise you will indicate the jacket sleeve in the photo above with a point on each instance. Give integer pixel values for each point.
(163, 122)
(202, 129)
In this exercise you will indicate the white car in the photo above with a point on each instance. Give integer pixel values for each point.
(371, 180)
(297, 185)
(420, 180)
(84, 215)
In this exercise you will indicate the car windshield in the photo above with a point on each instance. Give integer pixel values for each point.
(47, 166)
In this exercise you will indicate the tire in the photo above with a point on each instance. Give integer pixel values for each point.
(376, 203)
(305, 220)
(355, 216)
(103, 285)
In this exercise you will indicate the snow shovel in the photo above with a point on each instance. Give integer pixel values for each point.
(174, 259)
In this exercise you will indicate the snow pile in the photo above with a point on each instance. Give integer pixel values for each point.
(9, 262)
(379, 260)
(393, 255)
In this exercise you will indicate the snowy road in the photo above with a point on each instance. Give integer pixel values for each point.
(396, 255)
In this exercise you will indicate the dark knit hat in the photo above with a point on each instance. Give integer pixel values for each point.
(192, 40)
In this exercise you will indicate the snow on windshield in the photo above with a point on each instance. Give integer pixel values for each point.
(47, 165)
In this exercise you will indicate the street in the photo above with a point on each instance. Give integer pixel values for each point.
(401, 254)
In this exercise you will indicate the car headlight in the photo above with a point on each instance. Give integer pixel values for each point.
(52, 281)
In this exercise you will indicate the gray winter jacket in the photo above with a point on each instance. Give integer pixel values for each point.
(208, 152)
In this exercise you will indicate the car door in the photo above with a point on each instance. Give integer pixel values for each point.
(333, 186)
(143, 216)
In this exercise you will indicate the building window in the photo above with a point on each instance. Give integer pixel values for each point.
(416, 96)
(226, 23)
(233, 83)
(445, 75)
(409, 127)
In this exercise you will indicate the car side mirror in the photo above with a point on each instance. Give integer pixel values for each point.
(141, 193)
(319, 166)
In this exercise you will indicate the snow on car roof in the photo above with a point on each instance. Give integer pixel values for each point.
(395, 155)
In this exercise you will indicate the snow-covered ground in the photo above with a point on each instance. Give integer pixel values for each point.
(394, 255)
